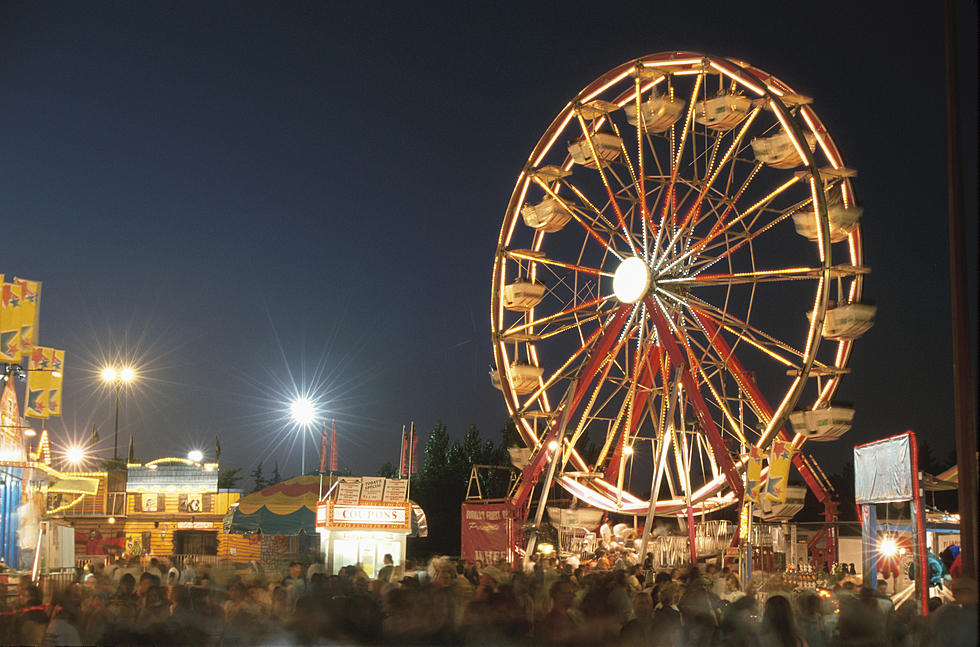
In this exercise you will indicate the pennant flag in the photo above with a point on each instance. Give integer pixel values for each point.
(10, 322)
(403, 455)
(780, 458)
(93, 440)
(38, 383)
(54, 381)
(132, 454)
(30, 309)
(217, 449)
(323, 449)
(333, 446)
(413, 446)
(753, 475)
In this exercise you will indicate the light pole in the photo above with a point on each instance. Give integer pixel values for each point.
(116, 378)
(303, 412)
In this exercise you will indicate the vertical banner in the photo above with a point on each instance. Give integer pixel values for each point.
(38, 383)
(753, 475)
(30, 309)
(333, 445)
(323, 449)
(413, 446)
(403, 455)
(55, 378)
(10, 319)
(780, 458)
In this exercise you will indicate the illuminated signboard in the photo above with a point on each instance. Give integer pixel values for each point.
(391, 517)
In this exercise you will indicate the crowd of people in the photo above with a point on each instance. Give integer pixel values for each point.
(450, 602)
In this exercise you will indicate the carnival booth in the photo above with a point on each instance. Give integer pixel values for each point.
(361, 519)
(278, 520)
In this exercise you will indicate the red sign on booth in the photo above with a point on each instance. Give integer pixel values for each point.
(489, 532)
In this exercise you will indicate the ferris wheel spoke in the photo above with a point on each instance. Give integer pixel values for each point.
(540, 258)
(573, 211)
(587, 133)
(673, 263)
(560, 315)
(742, 278)
(742, 330)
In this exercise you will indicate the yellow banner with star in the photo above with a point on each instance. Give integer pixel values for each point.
(10, 322)
(30, 310)
(780, 459)
(38, 383)
(54, 382)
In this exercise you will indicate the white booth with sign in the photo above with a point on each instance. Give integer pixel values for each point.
(360, 520)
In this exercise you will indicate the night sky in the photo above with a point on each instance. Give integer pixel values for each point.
(246, 200)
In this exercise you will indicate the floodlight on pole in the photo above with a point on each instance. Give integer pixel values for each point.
(303, 412)
(195, 455)
(116, 378)
(75, 455)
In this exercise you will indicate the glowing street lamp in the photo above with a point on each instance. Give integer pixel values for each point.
(303, 412)
(75, 455)
(116, 378)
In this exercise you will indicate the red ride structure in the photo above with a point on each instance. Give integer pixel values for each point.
(679, 270)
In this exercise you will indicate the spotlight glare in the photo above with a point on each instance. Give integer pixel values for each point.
(888, 547)
(196, 455)
(302, 411)
(127, 374)
(109, 374)
(75, 454)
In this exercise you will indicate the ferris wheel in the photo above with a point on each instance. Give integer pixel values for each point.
(678, 273)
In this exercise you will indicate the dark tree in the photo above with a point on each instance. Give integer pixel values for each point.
(276, 476)
(228, 479)
(257, 478)
(387, 470)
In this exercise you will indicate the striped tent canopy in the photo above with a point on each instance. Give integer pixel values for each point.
(286, 497)
(286, 508)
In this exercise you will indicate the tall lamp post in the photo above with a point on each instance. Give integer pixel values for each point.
(116, 378)
(303, 412)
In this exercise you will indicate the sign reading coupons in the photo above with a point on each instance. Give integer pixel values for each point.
(387, 517)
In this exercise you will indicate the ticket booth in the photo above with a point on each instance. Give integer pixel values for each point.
(358, 526)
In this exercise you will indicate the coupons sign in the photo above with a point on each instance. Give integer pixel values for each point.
(390, 518)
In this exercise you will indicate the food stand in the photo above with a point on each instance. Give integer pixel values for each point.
(360, 520)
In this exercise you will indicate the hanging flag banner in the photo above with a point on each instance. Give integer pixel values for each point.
(38, 383)
(30, 310)
(403, 455)
(412, 453)
(333, 446)
(780, 459)
(10, 322)
(323, 449)
(753, 475)
(54, 381)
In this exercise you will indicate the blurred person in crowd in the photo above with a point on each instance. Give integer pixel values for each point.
(559, 626)
(667, 616)
(739, 627)
(779, 627)
(188, 573)
(955, 624)
(639, 631)
(810, 619)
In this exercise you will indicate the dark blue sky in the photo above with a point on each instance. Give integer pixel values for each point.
(242, 197)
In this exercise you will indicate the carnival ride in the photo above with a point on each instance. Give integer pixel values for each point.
(680, 266)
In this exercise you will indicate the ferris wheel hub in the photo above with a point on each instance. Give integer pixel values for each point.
(632, 280)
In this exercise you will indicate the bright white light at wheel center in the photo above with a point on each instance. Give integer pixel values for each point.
(631, 280)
